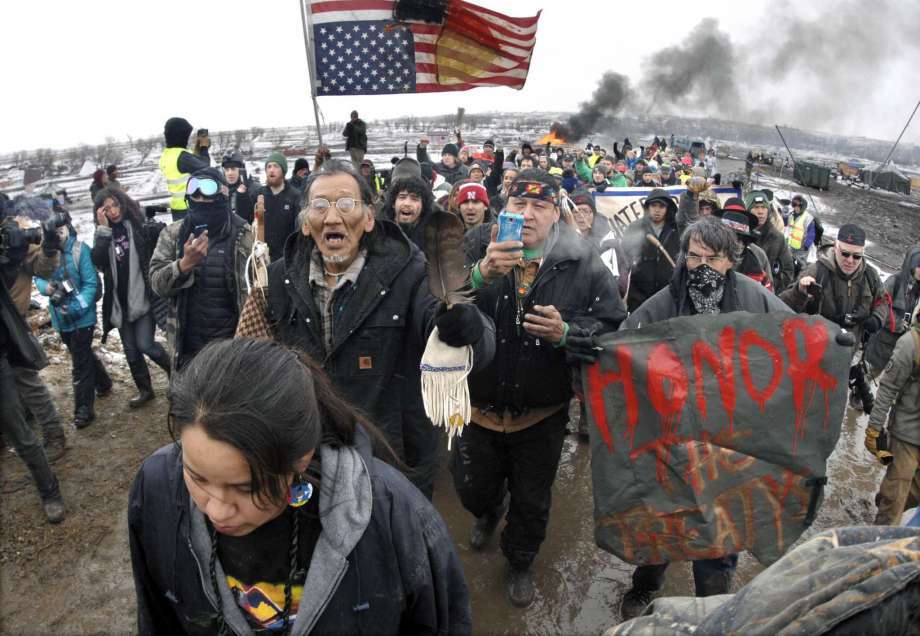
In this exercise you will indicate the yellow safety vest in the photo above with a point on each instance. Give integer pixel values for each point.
(795, 231)
(175, 180)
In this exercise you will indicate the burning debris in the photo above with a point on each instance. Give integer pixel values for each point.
(557, 136)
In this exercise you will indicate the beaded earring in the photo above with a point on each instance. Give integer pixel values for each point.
(301, 491)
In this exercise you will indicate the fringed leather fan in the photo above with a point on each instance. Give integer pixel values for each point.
(445, 392)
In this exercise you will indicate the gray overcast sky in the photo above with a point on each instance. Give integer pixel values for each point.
(80, 71)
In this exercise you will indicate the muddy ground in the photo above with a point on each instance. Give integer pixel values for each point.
(75, 578)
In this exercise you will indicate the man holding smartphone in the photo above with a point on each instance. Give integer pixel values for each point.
(199, 266)
(548, 293)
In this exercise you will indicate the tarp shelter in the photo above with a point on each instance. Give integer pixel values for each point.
(890, 179)
(88, 168)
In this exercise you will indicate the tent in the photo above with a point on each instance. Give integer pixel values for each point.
(889, 178)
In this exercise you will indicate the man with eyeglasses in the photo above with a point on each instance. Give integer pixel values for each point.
(843, 288)
(704, 282)
(351, 291)
(199, 266)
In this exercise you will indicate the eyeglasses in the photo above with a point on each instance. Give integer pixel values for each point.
(856, 256)
(344, 205)
(705, 260)
(206, 186)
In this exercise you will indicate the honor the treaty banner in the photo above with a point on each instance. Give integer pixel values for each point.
(710, 434)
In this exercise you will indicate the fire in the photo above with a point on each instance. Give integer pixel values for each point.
(551, 138)
(556, 136)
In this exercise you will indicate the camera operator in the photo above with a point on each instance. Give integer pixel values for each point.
(24, 261)
(20, 350)
(73, 291)
(844, 289)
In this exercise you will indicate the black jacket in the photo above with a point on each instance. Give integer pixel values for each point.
(145, 239)
(281, 212)
(385, 315)
(243, 203)
(773, 243)
(391, 564)
(650, 270)
(741, 294)
(528, 372)
(355, 134)
(16, 339)
(452, 174)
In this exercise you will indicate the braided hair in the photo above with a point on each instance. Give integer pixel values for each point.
(294, 573)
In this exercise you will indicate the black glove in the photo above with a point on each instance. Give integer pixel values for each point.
(460, 325)
(581, 345)
(873, 324)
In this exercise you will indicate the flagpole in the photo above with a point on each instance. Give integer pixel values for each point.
(307, 25)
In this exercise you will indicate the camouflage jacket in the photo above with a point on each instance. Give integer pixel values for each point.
(168, 282)
(825, 581)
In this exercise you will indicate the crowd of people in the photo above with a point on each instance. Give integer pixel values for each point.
(305, 457)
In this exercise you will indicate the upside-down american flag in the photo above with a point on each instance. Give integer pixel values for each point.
(359, 48)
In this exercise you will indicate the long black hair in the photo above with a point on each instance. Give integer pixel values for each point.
(129, 207)
(271, 403)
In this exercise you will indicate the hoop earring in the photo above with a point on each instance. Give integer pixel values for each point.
(301, 492)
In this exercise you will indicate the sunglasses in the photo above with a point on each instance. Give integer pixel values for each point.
(206, 186)
(856, 256)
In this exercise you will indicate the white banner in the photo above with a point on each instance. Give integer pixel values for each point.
(624, 205)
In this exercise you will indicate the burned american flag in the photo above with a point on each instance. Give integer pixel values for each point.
(360, 47)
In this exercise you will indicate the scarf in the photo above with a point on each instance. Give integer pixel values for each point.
(705, 286)
(138, 305)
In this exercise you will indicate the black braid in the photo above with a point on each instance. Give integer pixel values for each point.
(292, 575)
(212, 569)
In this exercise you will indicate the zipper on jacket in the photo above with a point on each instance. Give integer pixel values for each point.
(206, 588)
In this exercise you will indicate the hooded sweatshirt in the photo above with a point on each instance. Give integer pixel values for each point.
(383, 563)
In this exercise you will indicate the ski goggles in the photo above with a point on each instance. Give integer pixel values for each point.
(205, 186)
(533, 190)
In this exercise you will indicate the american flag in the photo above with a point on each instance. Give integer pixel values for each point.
(359, 48)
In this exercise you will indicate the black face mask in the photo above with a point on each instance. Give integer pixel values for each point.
(705, 286)
(208, 215)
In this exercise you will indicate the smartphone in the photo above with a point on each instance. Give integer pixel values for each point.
(198, 229)
(202, 132)
(510, 227)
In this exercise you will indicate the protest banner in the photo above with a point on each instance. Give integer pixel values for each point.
(624, 205)
(710, 434)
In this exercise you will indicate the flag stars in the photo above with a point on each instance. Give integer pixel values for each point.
(338, 29)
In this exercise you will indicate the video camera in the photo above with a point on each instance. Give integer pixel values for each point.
(15, 241)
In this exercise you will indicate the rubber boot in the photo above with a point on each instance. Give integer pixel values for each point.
(141, 375)
(485, 526)
(521, 590)
(55, 443)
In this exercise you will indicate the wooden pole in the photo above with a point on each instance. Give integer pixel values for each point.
(307, 24)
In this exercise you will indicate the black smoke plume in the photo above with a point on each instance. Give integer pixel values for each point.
(826, 61)
(699, 71)
(610, 94)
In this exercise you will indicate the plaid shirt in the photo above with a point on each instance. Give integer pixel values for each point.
(323, 295)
